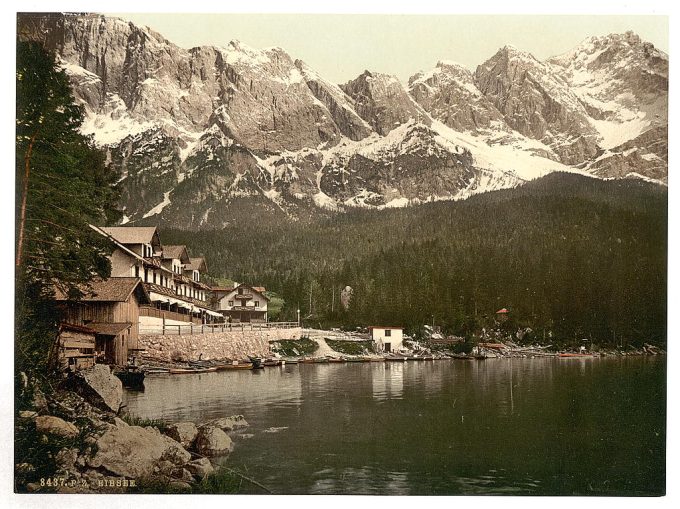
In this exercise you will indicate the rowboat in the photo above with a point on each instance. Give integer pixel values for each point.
(357, 359)
(568, 354)
(336, 359)
(131, 377)
(240, 365)
(184, 371)
(396, 358)
(157, 371)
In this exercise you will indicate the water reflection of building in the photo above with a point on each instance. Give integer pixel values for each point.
(388, 380)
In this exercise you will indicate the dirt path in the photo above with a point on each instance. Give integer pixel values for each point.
(324, 349)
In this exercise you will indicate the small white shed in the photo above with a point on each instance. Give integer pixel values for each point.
(387, 338)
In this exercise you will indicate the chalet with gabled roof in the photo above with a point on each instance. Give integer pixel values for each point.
(176, 298)
(242, 303)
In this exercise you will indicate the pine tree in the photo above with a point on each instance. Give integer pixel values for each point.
(62, 185)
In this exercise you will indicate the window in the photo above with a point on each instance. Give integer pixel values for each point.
(146, 275)
(257, 303)
(154, 277)
(388, 333)
(136, 270)
(230, 303)
(240, 291)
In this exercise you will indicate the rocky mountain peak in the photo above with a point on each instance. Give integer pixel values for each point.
(382, 101)
(449, 94)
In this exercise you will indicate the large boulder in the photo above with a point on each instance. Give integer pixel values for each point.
(229, 423)
(55, 426)
(184, 432)
(200, 467)
(100, 387)
(212, 441)
(134, 451)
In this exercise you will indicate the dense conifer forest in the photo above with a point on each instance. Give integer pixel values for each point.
(570, 257)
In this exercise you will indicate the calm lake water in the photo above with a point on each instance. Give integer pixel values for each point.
(499, 426)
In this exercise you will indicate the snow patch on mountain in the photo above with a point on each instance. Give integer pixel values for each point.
(159, 208)
(113, 124)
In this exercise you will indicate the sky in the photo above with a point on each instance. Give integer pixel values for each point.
(342, 46)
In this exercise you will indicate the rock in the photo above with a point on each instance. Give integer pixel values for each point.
(100, 387)
(182, 474)
(23, 379)
(134, 451)
(24, 468)
(200, 467)
(28, 414)
(39, 400)
(212, 441)
(184, 432)
(32, 487)
(230, 423)
(55, 426)
(164, 467)
(66, 458)
(120, 423)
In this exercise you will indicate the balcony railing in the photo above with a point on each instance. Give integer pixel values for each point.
(168, 315)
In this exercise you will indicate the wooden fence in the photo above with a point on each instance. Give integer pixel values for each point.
(211, 328)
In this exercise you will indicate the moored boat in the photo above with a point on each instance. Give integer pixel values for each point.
(131, 376)
(238, 365)
(184, 371)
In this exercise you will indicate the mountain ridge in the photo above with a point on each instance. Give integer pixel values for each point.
(191, 131)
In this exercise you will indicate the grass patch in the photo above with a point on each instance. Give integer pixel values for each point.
(224, 481)
(294, 347)
(138, 421)
(352, 347)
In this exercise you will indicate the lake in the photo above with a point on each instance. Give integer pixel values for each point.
(545, 426)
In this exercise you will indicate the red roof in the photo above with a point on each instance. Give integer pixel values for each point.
(501, 311)
(385, 327)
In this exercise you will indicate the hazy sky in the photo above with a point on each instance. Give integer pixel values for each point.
(341, 47)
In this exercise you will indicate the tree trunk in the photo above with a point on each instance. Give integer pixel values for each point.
(24, 195)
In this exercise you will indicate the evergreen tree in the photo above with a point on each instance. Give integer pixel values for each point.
(62, 185)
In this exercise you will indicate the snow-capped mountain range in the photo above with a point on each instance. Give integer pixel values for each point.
(197, 134)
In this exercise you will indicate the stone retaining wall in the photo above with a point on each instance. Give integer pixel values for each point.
(218, 345)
